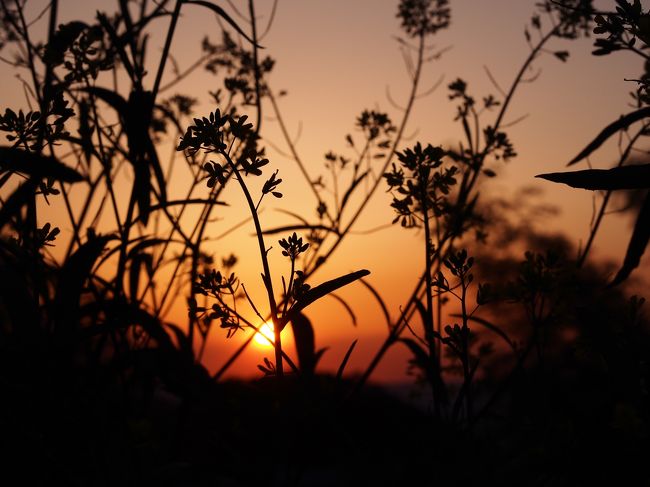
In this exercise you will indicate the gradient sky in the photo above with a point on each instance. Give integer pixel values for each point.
(338, 57)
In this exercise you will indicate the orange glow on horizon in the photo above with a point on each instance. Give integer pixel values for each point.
(264, 337)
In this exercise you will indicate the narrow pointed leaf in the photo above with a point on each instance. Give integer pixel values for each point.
(73, 276)
(637, 245)
(626, 177)
(380, 301)
(326, 288)
(222, 13)
(344, 362)
(303, 333)
(110, 97)
(347, 307)
(427, 319)
(620, 124)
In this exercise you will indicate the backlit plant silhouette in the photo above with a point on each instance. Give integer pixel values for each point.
(102, 389)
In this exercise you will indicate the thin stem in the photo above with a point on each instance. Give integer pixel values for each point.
(266, 276)
(375, 185)
(256, 67)
(166, 48)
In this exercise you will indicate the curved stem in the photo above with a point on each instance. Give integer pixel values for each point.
(393, 150)
(266, 276)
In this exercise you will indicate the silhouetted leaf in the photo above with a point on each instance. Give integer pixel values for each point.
(135, 115)
(221, 13)
(143, 244)
(344, 362)
(324, 289)
(626, 177)
(347, 307)
(110, 97)
(74, 273)
(420, 355)
(562, 55)
(137, 261)
(637, 245)
(611, 129)
(303, 333)
(37, 165)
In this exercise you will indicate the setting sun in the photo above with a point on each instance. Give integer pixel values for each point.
(264, 337)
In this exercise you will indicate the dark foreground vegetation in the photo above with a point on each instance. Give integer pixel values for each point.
(532, 369)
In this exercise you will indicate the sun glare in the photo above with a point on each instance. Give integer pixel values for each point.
(264, 337)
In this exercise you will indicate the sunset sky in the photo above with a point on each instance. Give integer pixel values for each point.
(336, 58)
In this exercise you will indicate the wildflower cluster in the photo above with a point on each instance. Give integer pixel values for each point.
(213, 283)
(293, 246)
(206, 133)
(239, 65)
(25, 128)
(420, 17)
(82, 49)
(423, 186)
(573, 17)
(375, 124)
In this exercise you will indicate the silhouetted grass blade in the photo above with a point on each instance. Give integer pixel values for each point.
(118, 43)
(74, 274)
(420, 358)
(37, 165)
(303, 333)
(427, 319)
(621, 124)
(221, 13)
(637, 245)
(626, 177)
(344, 362)
(139, 261)
(135, 115)
(347, 307)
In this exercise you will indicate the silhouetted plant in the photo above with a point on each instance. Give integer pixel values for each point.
(622, 28)
(102, 390)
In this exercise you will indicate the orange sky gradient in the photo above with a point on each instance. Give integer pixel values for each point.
(336, 58)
